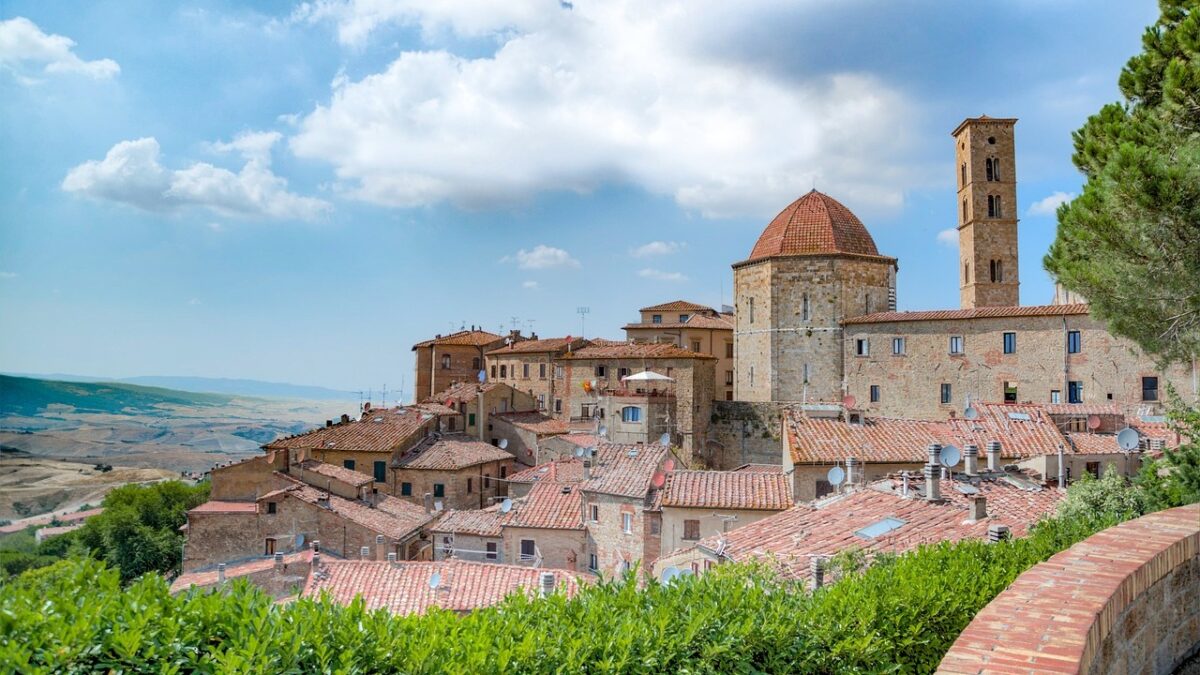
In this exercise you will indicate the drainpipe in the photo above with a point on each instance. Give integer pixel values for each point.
(479, 415)
(1062, 472)
(1066, 357)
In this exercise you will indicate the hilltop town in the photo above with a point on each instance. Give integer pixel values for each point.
(809, 419)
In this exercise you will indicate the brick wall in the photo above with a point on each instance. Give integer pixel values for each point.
(455, 482)
(742, 432)
(612, 545)
(710, 524)
(560, 549)
(533, 385)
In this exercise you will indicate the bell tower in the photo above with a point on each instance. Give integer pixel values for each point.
(985, 162)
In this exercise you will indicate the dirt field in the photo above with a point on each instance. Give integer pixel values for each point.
(31, 485)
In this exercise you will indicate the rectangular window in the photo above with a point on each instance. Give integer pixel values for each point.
(1074, 342)
(1149, 388)
(270, 547)
(558, 405)
(528, 550)
(271, 506)
(807, 371)
(593, 562)
(751, 376)
(691, 529)
(956, 344)
(470, 485)
(1010, 392)
(946, 393)
(627, 523)
(558, 372)
(874, 393)
(1093, 468)
(824, 487)
(751, 310)
(684, 317)
(439, 490)
(525, 371)
(729, 378)
(541, 401)
(1075, 392)
(696, 346)
(729, 350)
(1056, 396)
(601, 371)
(542, 371)
(445, 362)
(348, 463)
(595, 509)
(862, 347)
(470, 419)
(492, 552)
(729, 396)
(622, 373)
(656, 318)
(503, 371)
(805, 308)
(493, 371)
(406, 489)
(631, 413)
(898, 346)
(380, 472)
(475, 363)
(503, 470)
(1010, 343)
(487, 481)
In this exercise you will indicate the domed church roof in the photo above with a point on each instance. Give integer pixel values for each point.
(815, 224)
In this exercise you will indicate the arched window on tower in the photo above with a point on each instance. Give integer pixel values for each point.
(995, 169)
(805, 308)
(999, 271)
(964, 175)
(992, 265)
(999, 211)
(991, 206)
(988, 168)
(966, 273)
(964, 209)
(751, 310)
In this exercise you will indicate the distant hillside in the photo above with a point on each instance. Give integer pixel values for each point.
(26, 396)
(238, 387)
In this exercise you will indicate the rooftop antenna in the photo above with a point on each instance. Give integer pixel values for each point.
(583, 312)
(515, 323)
(384, 401)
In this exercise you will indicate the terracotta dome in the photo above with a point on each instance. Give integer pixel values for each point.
(815, 224)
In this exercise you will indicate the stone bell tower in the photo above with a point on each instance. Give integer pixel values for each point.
(985, 160)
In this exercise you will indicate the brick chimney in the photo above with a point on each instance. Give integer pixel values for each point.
(978, 507)
(993, 450)
(428, 502)
(972, 459)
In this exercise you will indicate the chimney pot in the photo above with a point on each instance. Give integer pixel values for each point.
(817, 570)
(316, 546)
(278, 562)
(972, 459)
(933, 483)
(328, 423)
(346, 417)
(391, 556)
(587, 469)
(365, 552)
(316, 560)
(978, 507)
(428, 502)
(993, 459)
(379, 539)
(935, 454)
(997, 533)
(547, 583)
(221, 573)
(851, 471)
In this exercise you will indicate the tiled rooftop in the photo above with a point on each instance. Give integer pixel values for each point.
(470, 338)
(544, 345)
(338, 473)
(462, 392)
(482, 523)
(549, 505)
(209, 577)
(976, 313)
(225, 507)
(532, 420)
(404, 587)
(625, 470)
(567, 470)
(635, 350)
(678, 306)
(450, 453)
(1016, 499)
(761, 468)
(581, 440)
(727, 490)
(390, 516)
(719, 322)
(378, 431)
(815, 224)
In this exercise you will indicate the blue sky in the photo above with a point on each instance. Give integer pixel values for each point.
(299, 192)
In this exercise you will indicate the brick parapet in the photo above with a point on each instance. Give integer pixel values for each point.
(1126, 599)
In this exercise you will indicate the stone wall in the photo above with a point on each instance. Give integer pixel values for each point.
(615, 549)
(539, 384)
(220, 537)
(742, 432)
(483, 486)
(246, 480)
(466, 547)
(1125, 600)
(430, 377)
(910, 384)
(710, 520)
(560, 549)
(982, 239)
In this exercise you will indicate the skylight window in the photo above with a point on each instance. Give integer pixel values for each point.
(880, 528)
(1020, 417)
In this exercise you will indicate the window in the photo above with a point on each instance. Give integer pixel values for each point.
(996, 169)
(956, 344)
(1074, 342)
(1075, 392)
(684, 317)
(751, 376)
(898, 346)
(966, 272)
(470, 485)
(1093, 468)
(503, 372)
(988, 166)
(879, 528)
(601, 371)
(452, 423)
(874, 393)
(862, 346)
(695, 345)
(631, 413)
(595, 511)
(558, 405)
(541, 401)
(729, 396)
(270, 547)
(406, 489)
(1056, 396)
(657, 318)
(487, 481)
(493, 371)
(470, 419)
(824, 487)
(542, 371)
(492, 553)
(271, 507)
(525, 371)
(805, 308)
(1010, 343)
(528, 550)
(964, 215)
(806, 371)
(691, 529)
(475, 363)
(729, 350)
(946, 393)
(627, 523)
(622, 373)
(729, 378)
(1010, 392)
(963, 174)
(593, 562)
(503, 470)
(380, 472)
(751, 310)
(994, 210)
(348, 463)
(439, 490)
(445, 362)
(1149, 388)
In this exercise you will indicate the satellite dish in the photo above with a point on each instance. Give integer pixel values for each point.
(669, 574)
(435, 580)
(669, 465)
(506, 505)
(836, 475)
(1128, 439)
(658, 479)
(1093, 422)
(603, 431)
(482, 376)
(949, 456)
(579, 452)
(849, 401)
(971, 413)
(299, 541)
(684, 573)
(665, 439)
(503, 443)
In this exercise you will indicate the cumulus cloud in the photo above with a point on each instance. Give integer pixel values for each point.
(131, 173)
(604, 93)
(8, 275)
(948, 237)
(1048, 206)
(649, 273)
(25, 49)
(657, 248)
(531, 285)
(541, 257)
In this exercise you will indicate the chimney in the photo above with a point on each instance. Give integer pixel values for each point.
(972, 459)
(391, 556)
(904, 483)
(278, 562)
(546, 580)
(379, 547)
(1158, 444)
(316, 546)
(428, 502)
(933, 485)
(997, 533)
(851, 471)
(978, 507)
(993, 450)
(316, 560)
(587, 469)
(365, 552)
(1062, 470)
(220, 573)
(816, 566)
(346, 418)
(328, 423)
(935, 454)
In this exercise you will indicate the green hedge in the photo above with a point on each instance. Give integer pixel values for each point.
(899, 615)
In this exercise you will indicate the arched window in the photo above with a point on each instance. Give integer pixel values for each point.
(995, 169)
(631, 413)
(964, 209)
(999, 271)
(999, 211)
(991, 206)
(964, 175)
(988, 165)
(992, 265)
(966, 272)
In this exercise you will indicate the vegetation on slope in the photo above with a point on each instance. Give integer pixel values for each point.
(28, 396)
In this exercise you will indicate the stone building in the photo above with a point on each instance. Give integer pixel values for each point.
(985, 154)
(464, 398)
(545, 529)
(530, 366)
(475, 535)
(454, 470)
(698, 504)
(691, 326)
(447, 360)
(523, 433)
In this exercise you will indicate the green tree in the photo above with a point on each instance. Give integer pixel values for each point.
(1130, 242)
(1108, 499)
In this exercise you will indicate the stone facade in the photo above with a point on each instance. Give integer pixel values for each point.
(743, 432)
(559, 547)
(617, 549)
(984, 152)
(695, 327)
(447, 360)
(473, 487)
(529, 367)
(708, 522)
(216, 537)
(248, 479)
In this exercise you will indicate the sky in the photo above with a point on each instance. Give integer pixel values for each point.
(298, 192)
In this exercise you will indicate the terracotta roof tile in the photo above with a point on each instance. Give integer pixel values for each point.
(678, 306)
(569, 470)
(581, 440)
(815, 224)
(1016, 499)
(225, 507)
(761, 468)
(467, 338)
(450, 453)
(348, 476)
(549, 505)
(481, 523)
(635, 350)
(462, 392)
(544, 345)
(728, 490)
(976, 313)
(403, 587)
(378, 431)
(532, 420)
(625, 470)
(720, 322)
(209, 577)
(390, 516)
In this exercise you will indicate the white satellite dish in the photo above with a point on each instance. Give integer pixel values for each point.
(482, 376)
(503, 443)
(949, 456)
(836, 475)
(579, 452)
(435, 580)
(603, 431)
(669, 574)
(1128, 438)
(665, 439)
(971, 413)
(506, 505)
(590, 451)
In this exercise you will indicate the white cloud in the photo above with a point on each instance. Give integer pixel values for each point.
(660, 275)
(531, 285)
(1049, 205)
(194, 301)
(606, 92)
(8, 275)
(657, 248)
(24, 48)
(948, 237)
(541, 257)
(130, 173)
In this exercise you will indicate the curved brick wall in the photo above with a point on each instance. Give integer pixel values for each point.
(1125, 600)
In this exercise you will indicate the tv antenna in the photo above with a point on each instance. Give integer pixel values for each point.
(583, 312)
(515, 323)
